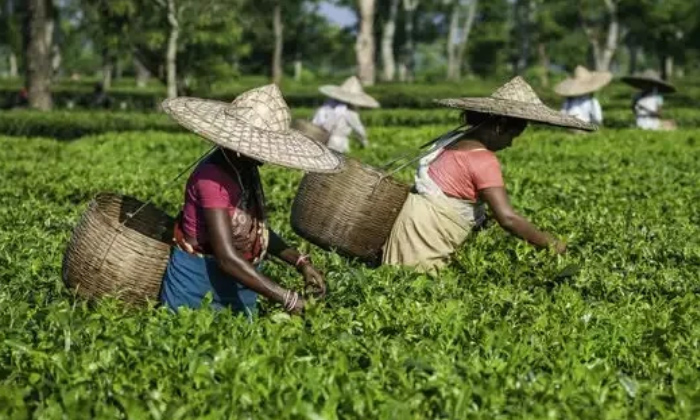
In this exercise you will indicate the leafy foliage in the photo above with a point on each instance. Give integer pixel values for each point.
(505, 332)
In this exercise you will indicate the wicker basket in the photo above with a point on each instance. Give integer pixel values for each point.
(311, 130)
(106, 256)
(351, 212)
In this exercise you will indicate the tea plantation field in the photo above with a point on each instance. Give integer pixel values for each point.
(611, 330)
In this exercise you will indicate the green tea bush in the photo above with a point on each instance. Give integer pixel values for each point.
(616, 96)
(506, 331)
(69, 125)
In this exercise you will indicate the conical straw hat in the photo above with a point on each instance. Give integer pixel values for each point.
(583, 82)
(257, 125)
(350, 92)
(516, 99)
(648, 80)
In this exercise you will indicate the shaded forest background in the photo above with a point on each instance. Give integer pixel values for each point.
(202, 46)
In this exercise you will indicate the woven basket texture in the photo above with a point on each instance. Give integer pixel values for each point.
(108, 256)
(351, 212)
(312, 131)
(256, 124)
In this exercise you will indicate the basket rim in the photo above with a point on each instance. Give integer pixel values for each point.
(118, 227)
(375, 171)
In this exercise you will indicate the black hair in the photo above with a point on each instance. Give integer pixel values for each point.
(473, 119)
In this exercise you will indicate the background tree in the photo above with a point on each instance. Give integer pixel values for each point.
(600, 22)
(107, 24)
(38, 39)
(207, 40)
(408, 52)
(546, 30)
(388, 37)
(11, 34)
(462, 16)
(365, 45)
(487, 52)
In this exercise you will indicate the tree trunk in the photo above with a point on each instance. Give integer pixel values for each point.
(14, 71)
(37, 41)
(409, 50)
(668, 67)
(118, 69)
(171, 53)
(523, 22)
(142, 73)
(364, 48)
(604, 53)
(388, 34)
(298, 69)
(278, 29)
(56, 56)
(464, 38)
(634, 56)
(107, 67)
(452, 42)
(612, 38)
(544, 63)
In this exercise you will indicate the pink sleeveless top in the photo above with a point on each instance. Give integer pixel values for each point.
(463, 173)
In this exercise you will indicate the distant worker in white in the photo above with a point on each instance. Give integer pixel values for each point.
(648, 102)
(579, 92)
(339, 115)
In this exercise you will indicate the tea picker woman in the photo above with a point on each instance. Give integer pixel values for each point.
(339, 114)
(648, 102)
(222, 234)
(462, 174)
(579, 93)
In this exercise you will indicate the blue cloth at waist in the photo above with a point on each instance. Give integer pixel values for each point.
(188, 279)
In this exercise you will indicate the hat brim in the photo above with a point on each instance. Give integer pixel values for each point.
(214, 121)
(575, 87)
(645, 83)
(538, 113)
(358, 99)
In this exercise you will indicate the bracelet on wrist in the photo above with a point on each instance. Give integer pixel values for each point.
(290, 300)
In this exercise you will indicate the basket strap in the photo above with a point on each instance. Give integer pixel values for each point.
(449, 138)
(423, 146)
(130, 216)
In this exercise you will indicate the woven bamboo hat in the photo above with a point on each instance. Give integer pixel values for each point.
(648, 80)
(256, 124)
(583, 82)
(311, 130)
(350, 92)
(516, 99)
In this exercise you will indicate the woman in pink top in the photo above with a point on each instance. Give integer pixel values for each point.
(462, 173)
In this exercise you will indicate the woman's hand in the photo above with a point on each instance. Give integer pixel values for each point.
(298, 308)
(559, 247)
(315, 284)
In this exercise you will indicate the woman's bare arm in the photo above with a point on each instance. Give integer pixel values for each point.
(510, 220)
(232, 262)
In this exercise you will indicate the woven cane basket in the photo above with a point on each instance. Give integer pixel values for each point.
(351, 212)
(111, 253)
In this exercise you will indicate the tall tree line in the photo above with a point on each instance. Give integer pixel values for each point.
(190, 44)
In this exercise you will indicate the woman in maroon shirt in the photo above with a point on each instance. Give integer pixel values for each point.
(221, 234)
